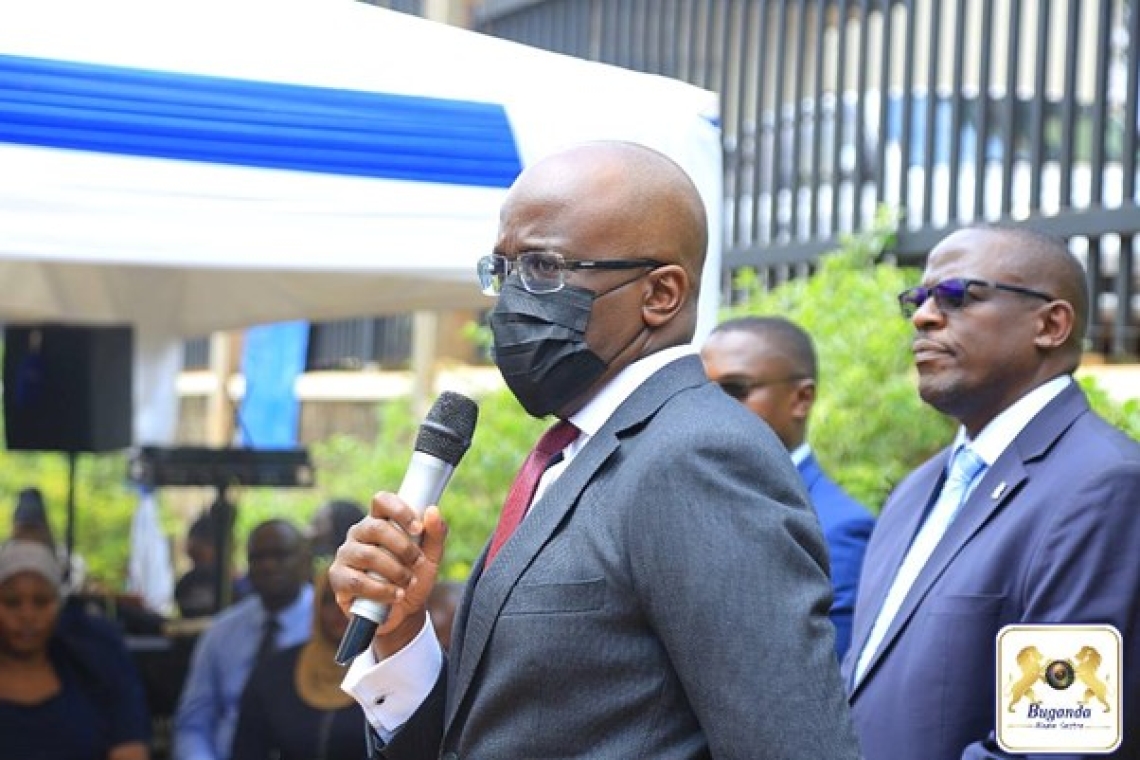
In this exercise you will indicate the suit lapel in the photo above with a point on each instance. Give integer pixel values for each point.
(998, 484)
(495, 584)
(977, 510)
(488, 592)
(894, 534)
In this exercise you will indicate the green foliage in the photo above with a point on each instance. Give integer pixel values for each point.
(1125, 416)
(346, 468)
(869, 427)
(473, 500)
(104, 504)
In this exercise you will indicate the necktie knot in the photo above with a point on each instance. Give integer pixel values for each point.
(552, 442)
(268, 643)
(965, 467)
(557, 437)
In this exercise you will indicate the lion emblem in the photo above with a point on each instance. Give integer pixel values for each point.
(1088, 663)
(1032, 665)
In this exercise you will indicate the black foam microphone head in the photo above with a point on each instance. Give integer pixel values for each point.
(446, 431)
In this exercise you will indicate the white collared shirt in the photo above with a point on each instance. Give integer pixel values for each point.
(996, 437)
(590, 418)
(800, 454)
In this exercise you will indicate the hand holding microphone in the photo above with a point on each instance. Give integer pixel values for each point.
(443, 439)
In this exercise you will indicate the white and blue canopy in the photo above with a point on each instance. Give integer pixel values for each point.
(186, 167)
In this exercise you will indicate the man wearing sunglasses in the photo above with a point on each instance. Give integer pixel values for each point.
(769, 365)
(1031, 516)
(665, 593)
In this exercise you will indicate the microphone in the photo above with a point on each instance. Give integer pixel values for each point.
(443, 439)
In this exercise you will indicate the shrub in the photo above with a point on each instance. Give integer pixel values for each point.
(869, 427)
(103, 504)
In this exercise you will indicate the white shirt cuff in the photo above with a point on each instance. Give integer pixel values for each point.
(391, 690)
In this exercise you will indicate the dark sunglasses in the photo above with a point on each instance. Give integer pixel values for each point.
(742, 389)
(954, 293)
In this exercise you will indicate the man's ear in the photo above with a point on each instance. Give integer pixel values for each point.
(1055, 325)
(667, 289)
(803, 398)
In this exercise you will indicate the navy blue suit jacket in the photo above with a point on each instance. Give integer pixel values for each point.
(847, 527)
(1051, 534)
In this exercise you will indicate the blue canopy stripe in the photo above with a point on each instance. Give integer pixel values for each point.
(108, 109)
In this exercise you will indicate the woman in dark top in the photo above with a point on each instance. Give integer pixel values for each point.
(55, 702)
(293, 707)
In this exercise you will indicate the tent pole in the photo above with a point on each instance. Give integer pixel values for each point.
(225, 350)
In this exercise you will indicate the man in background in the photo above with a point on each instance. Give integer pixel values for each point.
(769, 365)
(1031, 515)
(276, 615)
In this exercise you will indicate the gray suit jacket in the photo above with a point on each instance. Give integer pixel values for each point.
(1051, 534)
(665, 599)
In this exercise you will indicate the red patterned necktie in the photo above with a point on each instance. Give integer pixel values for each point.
(558, 437)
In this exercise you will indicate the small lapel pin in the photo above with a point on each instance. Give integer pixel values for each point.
(998, 490)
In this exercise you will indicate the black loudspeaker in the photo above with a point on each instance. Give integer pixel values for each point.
(68, 388)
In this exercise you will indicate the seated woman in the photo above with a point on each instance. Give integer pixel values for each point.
(293, 707)
(54, 700)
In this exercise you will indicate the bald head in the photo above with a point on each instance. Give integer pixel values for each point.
(1045, 263)
(622, 197)
(599, 250)
(779, 337)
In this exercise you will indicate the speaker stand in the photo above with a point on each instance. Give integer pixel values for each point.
(224, 513)
(69, 538)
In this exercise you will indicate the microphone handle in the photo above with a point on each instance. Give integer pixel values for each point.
(426, 478)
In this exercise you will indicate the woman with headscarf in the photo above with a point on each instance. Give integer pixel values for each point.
(55, 700)
(293, 707)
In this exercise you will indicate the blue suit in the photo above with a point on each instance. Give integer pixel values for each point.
(1051, 534)
(847, 527)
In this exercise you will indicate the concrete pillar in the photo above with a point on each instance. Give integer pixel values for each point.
(425, 352)
(225, 357)
(454, 12)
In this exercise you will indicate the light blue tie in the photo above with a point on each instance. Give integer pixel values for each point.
(964, 469)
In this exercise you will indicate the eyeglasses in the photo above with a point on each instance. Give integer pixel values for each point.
(952, 294)
(544, 271)
(742, 389)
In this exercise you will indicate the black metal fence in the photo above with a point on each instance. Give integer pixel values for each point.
(348, 344)
(415, 7)
(384, 342)
(948, 111)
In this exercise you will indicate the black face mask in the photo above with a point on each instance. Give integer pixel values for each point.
(540, 345)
